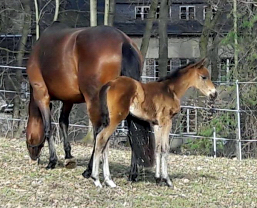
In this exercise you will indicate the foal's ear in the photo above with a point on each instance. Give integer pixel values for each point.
(201, 63)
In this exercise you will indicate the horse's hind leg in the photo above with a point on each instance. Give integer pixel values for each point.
(100, 145)
(106, 170)
(70, 162)
(42, 99)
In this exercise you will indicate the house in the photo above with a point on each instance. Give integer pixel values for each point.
(185, 23)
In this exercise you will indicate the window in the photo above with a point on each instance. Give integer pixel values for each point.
(226, 65)
(179, 62)
(156, 68)
(188, 121)
(141, 12)
(187, 12)
(152, 66)
(214, 11)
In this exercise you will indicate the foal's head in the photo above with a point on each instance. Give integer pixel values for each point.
(200, 79)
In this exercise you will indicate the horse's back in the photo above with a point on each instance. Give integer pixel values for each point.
(79, 58)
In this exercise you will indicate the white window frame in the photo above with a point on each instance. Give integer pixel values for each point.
(187, 12)
(142, 11)
(214, 10)
(156, 69)
(157, 15)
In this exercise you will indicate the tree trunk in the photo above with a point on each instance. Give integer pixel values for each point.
(93, 13)
(111, 12)
(37, 18)
(56, 13)
(19, 104)
(106, 12)
(214, 57)
(148, 27)
(163, 38)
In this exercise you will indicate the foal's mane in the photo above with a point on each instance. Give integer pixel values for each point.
(175, 73)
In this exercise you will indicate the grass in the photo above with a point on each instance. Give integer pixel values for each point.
(199, 181)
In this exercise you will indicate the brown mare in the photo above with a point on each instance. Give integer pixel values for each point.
(71, 65)
(155, 102)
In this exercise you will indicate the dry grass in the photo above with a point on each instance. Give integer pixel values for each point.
(200, 181)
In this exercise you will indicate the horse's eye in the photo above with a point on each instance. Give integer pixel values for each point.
(204, 77)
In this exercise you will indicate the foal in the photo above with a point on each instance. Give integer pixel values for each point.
(156, 102)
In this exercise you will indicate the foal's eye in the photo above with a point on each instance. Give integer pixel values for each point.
(204, 77)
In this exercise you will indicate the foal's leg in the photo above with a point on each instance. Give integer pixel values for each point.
(162, 149)
(42, 99)
(106, 171)
(70, 162)
(164, 153)
(87, 173)
(101, 142)
(158, 137)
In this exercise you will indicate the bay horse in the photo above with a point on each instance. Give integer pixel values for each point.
(156, 102)
(71, 65)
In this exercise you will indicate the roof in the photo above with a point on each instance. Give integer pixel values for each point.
(149, 1)
(184, 27)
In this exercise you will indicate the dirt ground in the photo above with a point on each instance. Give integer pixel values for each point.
(199, 181)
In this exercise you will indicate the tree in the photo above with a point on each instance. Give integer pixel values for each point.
(93, 13)
(111, 12)
(19, 104)
(214, 12)
(56, 13)
(148, 28)
(163, 38)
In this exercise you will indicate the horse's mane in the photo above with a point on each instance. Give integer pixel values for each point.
(176, 72)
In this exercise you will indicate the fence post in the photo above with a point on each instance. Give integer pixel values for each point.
(239, 145)
(214, 143)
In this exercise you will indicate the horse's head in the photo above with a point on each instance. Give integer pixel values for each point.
(202, 79)
(35, 138)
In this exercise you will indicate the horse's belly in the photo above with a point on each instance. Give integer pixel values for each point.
(137, 111)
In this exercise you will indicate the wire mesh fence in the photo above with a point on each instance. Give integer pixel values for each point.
(225, 128)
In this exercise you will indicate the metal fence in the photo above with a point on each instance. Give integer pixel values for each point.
(234, 95)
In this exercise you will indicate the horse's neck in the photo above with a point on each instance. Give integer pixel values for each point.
(179, 85)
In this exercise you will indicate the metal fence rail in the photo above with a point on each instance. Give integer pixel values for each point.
(214, 138)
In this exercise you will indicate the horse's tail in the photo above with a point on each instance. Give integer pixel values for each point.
(140, 133)
(105, 119)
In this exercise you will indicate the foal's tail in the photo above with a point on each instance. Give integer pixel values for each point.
(140, 133)
(105, 119)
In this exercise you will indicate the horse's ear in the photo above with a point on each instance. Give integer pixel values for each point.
(200, 64)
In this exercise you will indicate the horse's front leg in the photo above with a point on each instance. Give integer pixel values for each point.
(42, 98)
(70, 161)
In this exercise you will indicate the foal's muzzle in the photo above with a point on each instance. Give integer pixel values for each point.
(214, 95)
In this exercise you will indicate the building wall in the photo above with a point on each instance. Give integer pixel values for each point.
(177, 47)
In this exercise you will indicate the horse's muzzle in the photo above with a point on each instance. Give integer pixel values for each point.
(214, 95)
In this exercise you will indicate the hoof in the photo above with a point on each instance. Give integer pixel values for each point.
(98, 184)
(87, 173)
(168, 183)
(70, 163)
(51, 165)
(110, 183)
(158, 180)
(132, 177)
